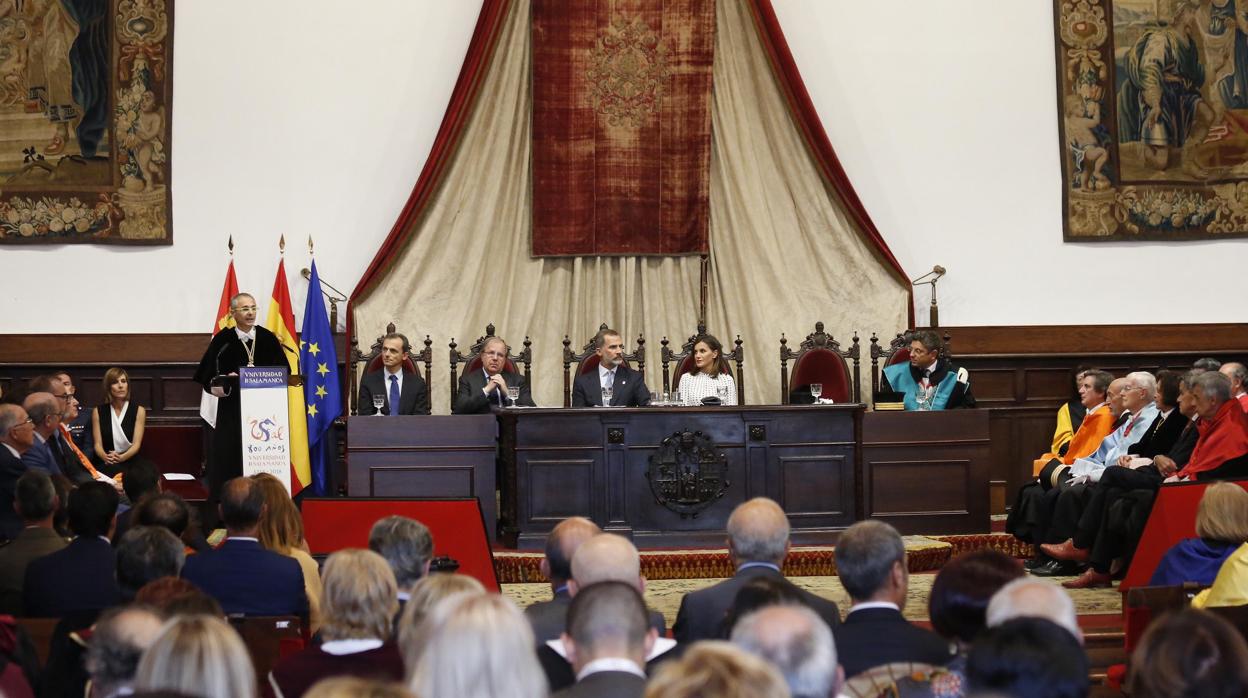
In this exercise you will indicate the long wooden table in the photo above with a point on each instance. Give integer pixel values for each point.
(828, 466)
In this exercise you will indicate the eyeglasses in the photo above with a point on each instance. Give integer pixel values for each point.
(64, 396)
(246, 308)
(23, 423)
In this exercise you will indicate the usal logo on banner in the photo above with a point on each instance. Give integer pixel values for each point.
(266, 422)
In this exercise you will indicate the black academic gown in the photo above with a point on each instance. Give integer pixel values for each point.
(226, 354)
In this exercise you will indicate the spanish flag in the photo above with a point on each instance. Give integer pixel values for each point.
(224, 319)
(281, 322)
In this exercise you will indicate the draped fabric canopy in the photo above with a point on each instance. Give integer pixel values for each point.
(790, 242)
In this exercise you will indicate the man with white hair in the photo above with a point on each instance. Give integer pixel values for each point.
(116, 645)
(758, 541)
(1239, 376)
(798, 643)
(1027, 597)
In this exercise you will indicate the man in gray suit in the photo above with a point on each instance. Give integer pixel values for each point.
(548, 617)
(607, 641)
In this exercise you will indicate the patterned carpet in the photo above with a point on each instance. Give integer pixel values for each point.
(664, 595)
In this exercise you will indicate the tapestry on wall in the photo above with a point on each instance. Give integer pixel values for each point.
(621, 126)
(1153, 100)
(85, 98)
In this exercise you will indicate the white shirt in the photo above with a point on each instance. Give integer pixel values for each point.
(610, 664)
(353, 646)
(244, 336)
(121, 443)
(695, 386)
(873, 604)
(13, 451)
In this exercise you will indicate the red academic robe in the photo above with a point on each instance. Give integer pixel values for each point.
(1222, 438)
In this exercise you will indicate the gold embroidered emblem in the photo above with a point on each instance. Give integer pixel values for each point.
(628, 72)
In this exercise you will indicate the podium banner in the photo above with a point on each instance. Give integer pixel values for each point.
(265, 421)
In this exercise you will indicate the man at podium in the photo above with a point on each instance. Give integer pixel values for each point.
(245, 344)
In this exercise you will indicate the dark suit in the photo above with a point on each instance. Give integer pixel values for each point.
(31, 544)
(873, 637)
(80, 577)
(245, 578)
(40, 456)
(11, 469)
(1161, 436)
(550, 618)
(413, 396)
(702, 612)
(606, 684)
(559, 672)
(471, 400)
(628, 389)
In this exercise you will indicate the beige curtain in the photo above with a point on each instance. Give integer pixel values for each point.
(783, 254)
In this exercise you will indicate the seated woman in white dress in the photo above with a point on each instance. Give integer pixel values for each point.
(711, 376)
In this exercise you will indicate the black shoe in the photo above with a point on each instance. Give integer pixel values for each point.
(1058, 568)
(1040, 560)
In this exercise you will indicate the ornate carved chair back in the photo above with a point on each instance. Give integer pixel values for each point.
(684, 362)
(472, 360)
(372, 362)
(587, 360)
(820, 359)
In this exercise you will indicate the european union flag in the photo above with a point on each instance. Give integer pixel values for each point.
(319, 365)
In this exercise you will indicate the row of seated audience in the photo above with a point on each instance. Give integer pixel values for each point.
(157, 625)
(1093, 492)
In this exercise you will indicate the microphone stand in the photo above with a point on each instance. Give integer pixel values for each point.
(333, 300)
(930, 278)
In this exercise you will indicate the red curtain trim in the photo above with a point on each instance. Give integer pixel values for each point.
(811, 127)
(463, 101)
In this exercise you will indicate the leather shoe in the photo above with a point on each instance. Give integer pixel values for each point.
(1066, 550)
(1091, 579)
(1040, 560)
(1056, 568)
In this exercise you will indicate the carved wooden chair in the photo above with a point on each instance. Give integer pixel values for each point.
(820, 359)
(684, 362)
(898, 351)
(472, 360)
(587, 361)
(372, 362)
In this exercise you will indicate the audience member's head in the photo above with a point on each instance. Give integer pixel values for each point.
(145, 554)
(120, 637)
(35, 498)
(608, 619)
(1140, 391)
(1028, 658)
(1189, 653)
(1211, 390)
(174, 596)
(958, 604)
(1187, 393)
(1207, 364)
(755, 594)
(561, 545)
(93, 509)
(606, 557)
(758, 531)
(1168, 389)
(718, 669)
(1117, 391)
(871, 562)
(1028, 597)
(474, 645)
(1238, 375)
(242, 505)
(16, 428)
(360, 596)
(796, 641)
(166, 510)
(199, 656)
(1094, 387)
(142, 479)
(407, 546)
(428, 593)
(1223, 513)
(44, 411)
(354, 687)
(281, 527)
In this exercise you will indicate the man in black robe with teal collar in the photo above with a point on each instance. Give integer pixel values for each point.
(943, 385)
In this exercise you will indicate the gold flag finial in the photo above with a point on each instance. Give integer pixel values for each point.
(281, 244)
(231, 245)
(310, 252)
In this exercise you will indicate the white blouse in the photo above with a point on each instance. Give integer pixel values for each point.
(120, 442)
(695, 386)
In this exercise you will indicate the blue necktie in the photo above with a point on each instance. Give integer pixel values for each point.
(394, 395)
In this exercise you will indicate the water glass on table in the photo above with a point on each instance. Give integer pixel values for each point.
(721, 392)
(513, 394)
(378, 403)
(816, 389)
(607, 392)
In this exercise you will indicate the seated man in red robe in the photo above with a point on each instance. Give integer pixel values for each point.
(1238, 375)
(1221, 451)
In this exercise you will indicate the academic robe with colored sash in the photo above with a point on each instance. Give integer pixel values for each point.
(953, 387)
(1222, 447)
(1098, 424)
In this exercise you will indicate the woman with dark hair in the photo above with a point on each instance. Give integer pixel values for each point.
(1189, 653)
(711, 376)
(117, 426)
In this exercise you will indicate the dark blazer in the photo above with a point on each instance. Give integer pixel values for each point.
(1161, 436)
(471, 400)
(11, 468)
(606, 684)
(31, 544)
(872, 637)
(80, 577)
(245, 578)
(628, 390)
(550, 618)
(40, 456)
(559, 672)
(702, 612)
(413, 397)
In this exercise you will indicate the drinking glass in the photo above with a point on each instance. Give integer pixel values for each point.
(816, 389)
(378, 403)
(922, 396)
(665, 399)
(676, 398)
(721, 391)
(513, 394)
(607, 392)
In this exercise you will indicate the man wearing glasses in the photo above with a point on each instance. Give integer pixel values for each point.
(17, 435)
(244, 344)
(481, 390)
(45, 411)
